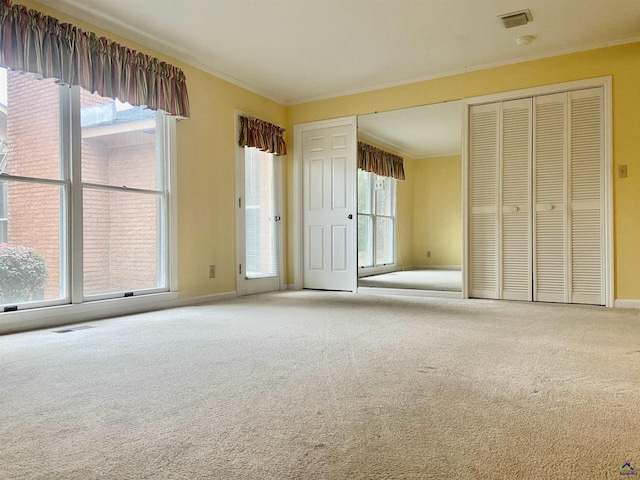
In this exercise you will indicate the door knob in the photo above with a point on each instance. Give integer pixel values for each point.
(350, 217)
(515, 209)
(550, 207)
(277, 218)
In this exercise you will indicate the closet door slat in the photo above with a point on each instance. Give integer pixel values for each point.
(483, 145)
(585, 173)
(516, 199)
(549, 190)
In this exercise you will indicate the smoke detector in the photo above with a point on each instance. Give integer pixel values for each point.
(524, 40)
(516, 19)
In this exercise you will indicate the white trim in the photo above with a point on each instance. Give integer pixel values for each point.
(298, 224)
(74, 150)
(628, 303)
(465, 199)
(51, 317)
(599, 82)
(171, 167)
(408, 292)
(48, 317)
(607, 113)
(434, 267)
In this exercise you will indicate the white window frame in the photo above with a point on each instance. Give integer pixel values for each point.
(75, 306)
(3, 206)
(376, 268)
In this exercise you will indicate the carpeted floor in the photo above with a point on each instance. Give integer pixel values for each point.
(431, 279)
(313, 385)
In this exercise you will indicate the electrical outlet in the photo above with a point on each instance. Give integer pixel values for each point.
(622, 171)
(428, 253)
(212, 271)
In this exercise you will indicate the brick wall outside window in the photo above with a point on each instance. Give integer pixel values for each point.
(120, 229)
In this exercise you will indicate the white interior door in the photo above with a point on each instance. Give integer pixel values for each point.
(259, 222)
(569, 197)
(329, 207)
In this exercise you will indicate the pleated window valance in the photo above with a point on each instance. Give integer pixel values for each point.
(40, 44)
(372, 159)
(262, 135)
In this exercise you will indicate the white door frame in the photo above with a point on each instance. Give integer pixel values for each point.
(298, 223)
(243, 283)
(605, 83)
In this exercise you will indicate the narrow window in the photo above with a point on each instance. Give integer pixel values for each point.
(260, 225)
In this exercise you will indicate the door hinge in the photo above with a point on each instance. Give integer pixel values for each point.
(240, 202)
(240, 269)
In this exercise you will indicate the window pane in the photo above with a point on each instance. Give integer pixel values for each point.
(29, 126)
(118, 143)
(32, 266)
(365, 237)
(260, 225)
(383, 196)
(121, 242)
(384, 240)
(364, 192)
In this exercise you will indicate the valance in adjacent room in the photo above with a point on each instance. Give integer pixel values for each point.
(33, 42)
(262, 135)
(372, 159)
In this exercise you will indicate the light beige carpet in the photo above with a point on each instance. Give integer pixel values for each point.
(313, 385)
(437, 280)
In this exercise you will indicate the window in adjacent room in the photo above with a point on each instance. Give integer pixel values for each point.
(376, 220)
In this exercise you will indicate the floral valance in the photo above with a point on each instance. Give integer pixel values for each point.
(372, 159)
(262, 135)
(33, 42)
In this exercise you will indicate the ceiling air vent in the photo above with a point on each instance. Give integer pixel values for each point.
(516, 19)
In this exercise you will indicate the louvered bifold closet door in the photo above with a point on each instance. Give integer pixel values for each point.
(585, 187)
(515, 247)
(483, 178)
(549, 190)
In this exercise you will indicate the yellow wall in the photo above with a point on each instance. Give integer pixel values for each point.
(621, 62)
(206, 169)
(437, 214)
(206, 148)
(404, 215)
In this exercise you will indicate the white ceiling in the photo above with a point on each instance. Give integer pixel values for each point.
(419, 132)
(297, 50)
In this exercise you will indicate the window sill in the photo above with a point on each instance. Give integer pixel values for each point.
(47, 317)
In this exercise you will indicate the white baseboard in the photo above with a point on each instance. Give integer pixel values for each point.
(408, 292)
(622, 303)
(185, 302)
(51, 317)
(289, 286)
(435, 267)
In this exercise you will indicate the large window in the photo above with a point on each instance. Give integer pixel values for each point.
(376, 220)
(83, 189)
